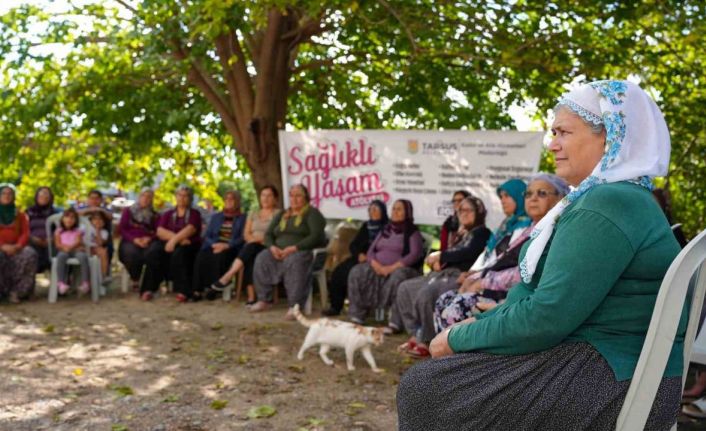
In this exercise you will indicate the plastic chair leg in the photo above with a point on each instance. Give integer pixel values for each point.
(309, 301)
(323, 288)
(95, 274)
(53, 282)
(124, 280)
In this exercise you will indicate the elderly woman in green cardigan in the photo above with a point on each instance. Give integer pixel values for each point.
(560, 352)
(290, 239)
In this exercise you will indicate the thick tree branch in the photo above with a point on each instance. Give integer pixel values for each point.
(196, 77)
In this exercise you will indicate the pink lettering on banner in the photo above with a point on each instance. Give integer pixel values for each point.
(314, 171)
(364, 200)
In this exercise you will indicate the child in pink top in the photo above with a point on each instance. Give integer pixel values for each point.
(69, 242)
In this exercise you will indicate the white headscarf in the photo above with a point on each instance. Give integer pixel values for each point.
(637, 148)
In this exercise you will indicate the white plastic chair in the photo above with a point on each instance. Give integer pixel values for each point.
(94, 263)
(662, 331)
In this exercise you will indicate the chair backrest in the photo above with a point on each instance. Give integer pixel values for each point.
(428, 242)
(54, 221)
(662, 332)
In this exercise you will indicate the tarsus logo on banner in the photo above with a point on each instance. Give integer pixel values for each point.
(314, 171)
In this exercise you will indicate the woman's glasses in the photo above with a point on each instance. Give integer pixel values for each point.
(540, 194)
(465, 210)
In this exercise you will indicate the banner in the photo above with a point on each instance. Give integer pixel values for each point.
(346, 169)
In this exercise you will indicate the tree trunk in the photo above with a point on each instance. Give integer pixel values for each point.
(254, 108)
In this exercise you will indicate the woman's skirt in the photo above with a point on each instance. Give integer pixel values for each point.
(568, 387)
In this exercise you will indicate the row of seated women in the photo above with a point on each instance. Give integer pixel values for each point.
(474, 268)
(24, 242)
(270, 246)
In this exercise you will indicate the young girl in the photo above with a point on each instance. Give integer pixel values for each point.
(99, 240)
(69, 241)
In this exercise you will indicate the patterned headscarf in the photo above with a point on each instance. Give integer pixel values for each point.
(515, 188)
(637, 141)
(561, 186)
(8, 212)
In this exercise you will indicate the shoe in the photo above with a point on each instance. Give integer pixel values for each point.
(331, 312)
(260, 306)
(290, 314)
(14, 298)
(180, 297)
(62, 287)
(218, 286)
(418, 352)
(84, 287)
(697, 409)
(356, 320)
(147, 296)
(406, 346)
(212, 293)
(250, 303)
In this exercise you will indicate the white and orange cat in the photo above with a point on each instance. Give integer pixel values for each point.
(336, 333)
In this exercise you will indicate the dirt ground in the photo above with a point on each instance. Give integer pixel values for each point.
(123, 364)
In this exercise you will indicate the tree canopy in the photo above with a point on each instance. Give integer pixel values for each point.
(130, 83)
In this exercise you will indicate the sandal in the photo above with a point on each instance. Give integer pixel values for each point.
(419, 352)
(406, 346)
(697, 409)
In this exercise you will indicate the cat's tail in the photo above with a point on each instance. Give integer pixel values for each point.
(300, 317)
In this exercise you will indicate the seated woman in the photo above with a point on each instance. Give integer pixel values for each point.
(289, 240)
(222, 243)
(18, 263)
(255, 228)
(449, 229)
(377, 219)
(394, 256)
(171, 255)
(559, 353)
(414, 304)
(482, 290)
(511, 195)
(420, 322)
(38, 214)
(138, 227)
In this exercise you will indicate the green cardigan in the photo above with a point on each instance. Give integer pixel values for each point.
(307, 236)
(596, 282)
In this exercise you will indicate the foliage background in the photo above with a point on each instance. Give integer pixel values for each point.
(92, 89)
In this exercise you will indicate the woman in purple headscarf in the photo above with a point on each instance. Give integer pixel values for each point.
(395, 256)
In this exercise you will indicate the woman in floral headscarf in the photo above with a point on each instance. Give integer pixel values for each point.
(18, 263)
(560, 352)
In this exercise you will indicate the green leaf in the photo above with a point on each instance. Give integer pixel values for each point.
(264, 411)
(219, 404)
(172, 398)
(122, 391)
